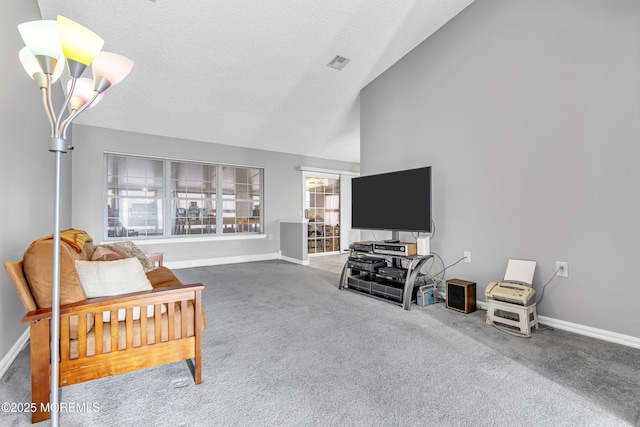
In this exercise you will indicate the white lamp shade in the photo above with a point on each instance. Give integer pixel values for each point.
(82, 93)
(31, 65)
(41, 37)
(111, 66)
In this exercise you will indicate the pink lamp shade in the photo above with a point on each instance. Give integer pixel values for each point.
(82, 93)
(111, 67)
(31, 65)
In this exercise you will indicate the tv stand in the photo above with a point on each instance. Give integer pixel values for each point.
(373, 284)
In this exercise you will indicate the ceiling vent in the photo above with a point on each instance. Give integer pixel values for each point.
(338, 62)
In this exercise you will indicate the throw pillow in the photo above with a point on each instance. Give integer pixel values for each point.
(109, 278)
(133, 251)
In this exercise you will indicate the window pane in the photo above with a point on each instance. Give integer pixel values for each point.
(132, 217)
(135, 192)
(194, 217)
(194, 190)
(228, 175)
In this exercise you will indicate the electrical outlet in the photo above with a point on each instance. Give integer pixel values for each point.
(562, 268)
(467, 257)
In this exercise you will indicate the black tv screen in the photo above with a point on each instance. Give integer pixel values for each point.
(396, 201)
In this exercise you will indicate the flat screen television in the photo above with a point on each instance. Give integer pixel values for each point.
(395, 201)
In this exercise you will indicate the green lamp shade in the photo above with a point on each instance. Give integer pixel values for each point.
(41, 37)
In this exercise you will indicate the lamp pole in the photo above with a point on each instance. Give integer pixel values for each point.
(55, 299)
(57, 146)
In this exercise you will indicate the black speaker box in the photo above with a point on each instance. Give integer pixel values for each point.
(461, 295)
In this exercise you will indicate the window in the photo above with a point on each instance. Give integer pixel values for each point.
(149, 197)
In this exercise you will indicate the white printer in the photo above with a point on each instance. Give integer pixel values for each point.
(516, 287)
(512, 302)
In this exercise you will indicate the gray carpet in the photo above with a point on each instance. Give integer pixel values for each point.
(285, 347)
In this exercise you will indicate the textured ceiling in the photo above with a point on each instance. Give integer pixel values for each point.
(249, 73)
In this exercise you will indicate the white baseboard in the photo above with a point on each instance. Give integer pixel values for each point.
(601, 334)
(8, 359)
(205, 262)
(294, 260)
(588, 331)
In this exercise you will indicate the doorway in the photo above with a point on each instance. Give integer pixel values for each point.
(322, 210)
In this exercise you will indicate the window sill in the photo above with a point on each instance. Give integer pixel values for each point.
(143, 242)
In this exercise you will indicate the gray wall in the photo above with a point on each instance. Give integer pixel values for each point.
(282, 184)
(293, 240)
(529, 113)
(26, 166)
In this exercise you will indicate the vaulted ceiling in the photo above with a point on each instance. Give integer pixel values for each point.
(251, 73)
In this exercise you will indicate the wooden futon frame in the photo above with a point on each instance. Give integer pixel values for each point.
(133, 344)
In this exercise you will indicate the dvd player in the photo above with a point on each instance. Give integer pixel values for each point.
(361, 247)
(402, 249)
(396, 273)
(365, 263)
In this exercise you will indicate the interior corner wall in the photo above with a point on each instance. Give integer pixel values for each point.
(282, 183)
(529, 114)
(26, 166)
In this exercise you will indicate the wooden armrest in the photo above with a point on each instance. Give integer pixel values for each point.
(116, 302)
(156, 258)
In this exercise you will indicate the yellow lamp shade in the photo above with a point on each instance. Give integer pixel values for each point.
(31, 65)
(78, 43)
(41, 37)
(111, 66)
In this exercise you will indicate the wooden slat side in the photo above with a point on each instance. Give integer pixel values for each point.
(171, 317)
(65, 351)
(129, 328)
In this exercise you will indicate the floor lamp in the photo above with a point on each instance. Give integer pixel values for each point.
(47, 42)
